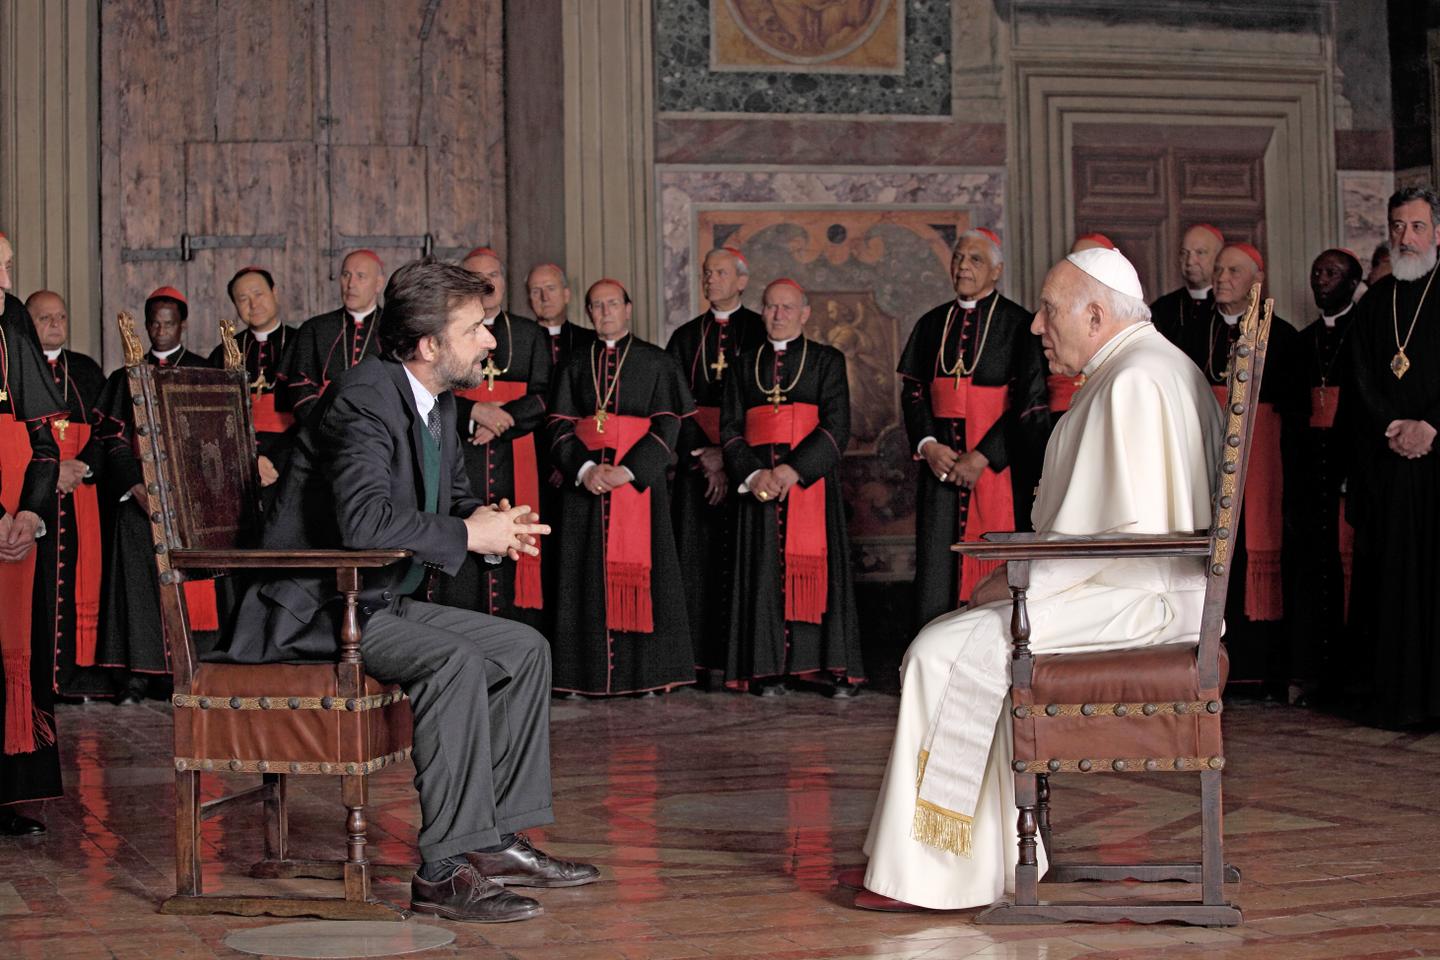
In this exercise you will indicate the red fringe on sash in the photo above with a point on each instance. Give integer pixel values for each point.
(529, 593)
(628, 606)
(1264, 531)
(17, 582)
(807, 559)
(992, 500)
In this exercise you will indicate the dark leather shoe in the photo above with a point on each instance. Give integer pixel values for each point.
(466, 895)
(771, 688)
(522, 865)
(13, 824)
(866, 900)
(844, 690)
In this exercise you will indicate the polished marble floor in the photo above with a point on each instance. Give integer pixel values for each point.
(719, 820)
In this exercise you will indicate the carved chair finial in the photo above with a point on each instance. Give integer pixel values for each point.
(233, 359)
(134, 352)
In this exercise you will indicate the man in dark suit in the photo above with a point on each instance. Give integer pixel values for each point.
(378, 465)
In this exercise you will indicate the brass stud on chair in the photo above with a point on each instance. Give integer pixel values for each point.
(295, 766)
(1229, 466)
(1054, 766)
(1227, 501)
(1243, 350)
(1180, 763)
(1223, 533)
(1242, 375)
(1152, 765)
(350, 768)
(1121, 710)
(1181, 707)
(1018, 766)
(352, 705)
(1217, 763)
(236, 703)
(264, 703)
(1087, 709)
(177, 701)
(263, 766)
(1084, 766)
(181, 765)
(1213, 706)
(1149, 709)
(326, 703)
(204, 703)
(1238, 409)
(1052, 709)
(1118, 766)
(293, 703)
(1233, 440)
(1218, 569)
(1021, 712)
(236, 765)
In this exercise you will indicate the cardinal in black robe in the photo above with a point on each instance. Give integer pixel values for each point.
(1318, 561)
(73, 558)
(784, 424)
(331, 342)
(620, 622)
(29, 471)
(500, 423)
(130, 631)
(976, 407)
(1394, 488)
(708, 350)
(265, 345)
(1257, 641)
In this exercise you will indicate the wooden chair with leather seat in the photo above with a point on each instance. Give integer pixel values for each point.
(1147, 710)
(196, 444)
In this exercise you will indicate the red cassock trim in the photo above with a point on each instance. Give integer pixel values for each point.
(992, 500)
(16, 583)
(528, 592)
(87, 560)
(627, 537)
(807, 571)
(1324, 401)
(1264, 492)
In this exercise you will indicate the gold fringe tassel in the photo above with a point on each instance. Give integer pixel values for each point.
(943, 829)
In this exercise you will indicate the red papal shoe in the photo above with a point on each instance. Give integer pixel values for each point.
(851, 878)
(869, 900)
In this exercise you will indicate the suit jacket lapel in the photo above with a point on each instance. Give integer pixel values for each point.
(407, 401)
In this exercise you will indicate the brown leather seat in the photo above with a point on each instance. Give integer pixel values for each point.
(1165, 672)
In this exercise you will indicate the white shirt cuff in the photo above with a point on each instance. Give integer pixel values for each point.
(584, 469)
(920, 447)
(745, 487)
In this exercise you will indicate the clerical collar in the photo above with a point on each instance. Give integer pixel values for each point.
(555, 330)
(779, 345)
(1198, 294)
(359, 318)
(262, 335)
(1107, 350)
(1231, 320)
(967, 304)
(610, 344)
(723, 314)
(166, 355)
(424, 399)
(53, 355)
(1329, 321)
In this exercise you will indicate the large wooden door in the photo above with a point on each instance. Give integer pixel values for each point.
(1143, 185)
(282, 133)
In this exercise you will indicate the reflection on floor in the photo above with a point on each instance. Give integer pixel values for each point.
(720, 819)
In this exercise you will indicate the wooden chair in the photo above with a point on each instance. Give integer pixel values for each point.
(1147, 710)
(197, 448)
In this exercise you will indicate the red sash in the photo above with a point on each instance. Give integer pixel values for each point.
(265, 417)
(528, 593)
(708, 419)
(87, 555)
(1264, 490)
(1323, 403)
(992, 500)
(627, 537)
(807, 573)
(16, 582)
(1062, 391)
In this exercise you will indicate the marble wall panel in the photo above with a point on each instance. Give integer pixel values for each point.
(690, 78)
(872, 250)
(1363, 195)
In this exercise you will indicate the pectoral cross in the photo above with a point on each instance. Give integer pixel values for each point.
(4, 395)
(719, 365)
(62, 425)
(1399, 364)
(600, 417)
(490, 371)
(260, 384)
(775, 395)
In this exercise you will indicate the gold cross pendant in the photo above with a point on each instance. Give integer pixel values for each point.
(957, 378)
(62, 425)
(600, 417)
(774, 395)
(490, 371)
(719, 365)
(4, 395)
(1399, 364)
(260, 384)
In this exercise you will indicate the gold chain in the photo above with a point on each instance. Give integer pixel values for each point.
(602, 404)
(491, 371)
(1400, 363)
(775, 393)
(959, 370)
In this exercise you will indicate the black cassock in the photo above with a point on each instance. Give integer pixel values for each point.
(30, 398)
(522, 359)
(130, 630)
(326, 344)
(568, 341)
(1011, 359)
(1260, 646)
(1316, 569)
(587, 656)
(703, 533)
(80, 381)
(1181, 317)
(265, 362)
(762, 642)
(1393, 656)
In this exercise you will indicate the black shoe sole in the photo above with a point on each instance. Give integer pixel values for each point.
(541, 884)
(445, 913)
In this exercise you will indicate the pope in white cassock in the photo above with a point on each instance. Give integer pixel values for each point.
(1135, 454)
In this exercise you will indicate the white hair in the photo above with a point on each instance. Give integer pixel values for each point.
(1123, 308)
(997, 256)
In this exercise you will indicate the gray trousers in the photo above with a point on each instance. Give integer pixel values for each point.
(479, 689)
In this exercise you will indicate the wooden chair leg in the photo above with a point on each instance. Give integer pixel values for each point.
(1027, 871)
(277, 818)
(1212, 863)
(188, 880)
(354, 791)
(1042, 810)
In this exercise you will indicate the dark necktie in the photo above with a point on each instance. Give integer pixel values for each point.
(433, 422)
